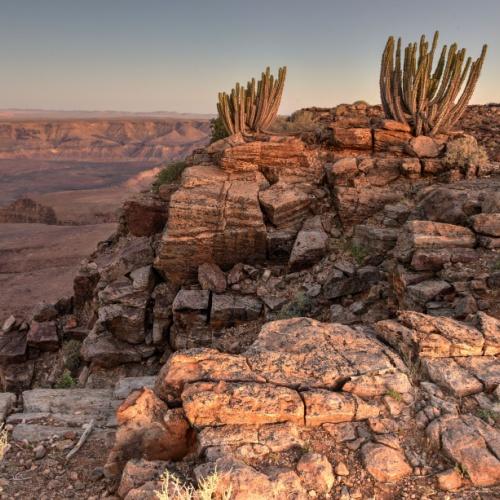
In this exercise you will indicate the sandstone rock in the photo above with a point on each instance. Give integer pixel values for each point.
(411, 168)
(490, 328)
(127, 385)
(425, 234)
(148, 429)
(13, 345)
(368, 386)
(43, 336)
(9, 324)
(435, 259)
(488, 224)
(229, 310)
(375, 241)
(125, 323)
(211, 217)
(326, 407)
(280, 159)
(107, 351)
(451, 376)
(395, 125)
(248, 403)
(424, 147)
(190, 316)
(316, 473)
(423, 292)
(309, 247)
(211, 277)
(449, 480)
(354, 205)
(391, 140)
(338, 285)
(200, 364)
(137, 472)
(385, 464)
(17, 377)
(468, 441)
(144, 215)
(285, 205)
(352, 138)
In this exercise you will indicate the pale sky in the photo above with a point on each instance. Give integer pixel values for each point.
(148, 55)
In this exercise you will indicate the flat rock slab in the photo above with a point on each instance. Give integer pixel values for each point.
(34, 433)
(71, 401)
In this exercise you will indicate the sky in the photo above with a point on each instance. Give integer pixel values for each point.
(176, 55)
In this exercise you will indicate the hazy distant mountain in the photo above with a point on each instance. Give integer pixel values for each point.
(51, 114)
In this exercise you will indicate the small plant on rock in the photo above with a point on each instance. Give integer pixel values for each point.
(395, 395)
(359, 253)
(298, 307)
(465, 152)
(218, 130)
(169, 174)
(66, 380)
(71, 354)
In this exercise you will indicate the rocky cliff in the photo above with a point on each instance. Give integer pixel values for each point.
(313, 316)
(101, 139)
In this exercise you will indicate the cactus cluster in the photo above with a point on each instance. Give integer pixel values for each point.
(252, 109)
(414, 93)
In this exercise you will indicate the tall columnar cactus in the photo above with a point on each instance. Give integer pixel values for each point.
(424, 98)
(254, 108)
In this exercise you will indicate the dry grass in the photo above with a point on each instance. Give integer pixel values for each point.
(4, 441)
(465, 152)
(296, 123)
(173, 489)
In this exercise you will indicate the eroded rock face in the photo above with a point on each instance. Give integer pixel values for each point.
(213, 215)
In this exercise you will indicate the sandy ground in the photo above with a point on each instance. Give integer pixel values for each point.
(38, 262)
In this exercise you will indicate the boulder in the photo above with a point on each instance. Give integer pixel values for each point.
(424, 147)
(488, 224)
(107, 351)
(395, 141)
(316, 472)
(310, 247)
(230, 309)
(417, 234)
(125, 323)
(43, 336)
(148, 429)
(211, 277)
(13, 345)
(285, 205)
(385, 464)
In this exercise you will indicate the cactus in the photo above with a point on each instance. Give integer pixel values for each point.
(254, 108)
(426, 99)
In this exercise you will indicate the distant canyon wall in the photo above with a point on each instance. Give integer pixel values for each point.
(102, 140)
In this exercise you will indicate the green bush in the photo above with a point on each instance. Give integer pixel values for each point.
(218, 130)
(170, 173)
(66, 381)
(298, 307)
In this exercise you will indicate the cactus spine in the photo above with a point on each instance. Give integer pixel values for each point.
(254, 108)
(414, 94)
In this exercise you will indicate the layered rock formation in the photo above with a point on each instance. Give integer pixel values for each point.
(26, 210)
(313, 311)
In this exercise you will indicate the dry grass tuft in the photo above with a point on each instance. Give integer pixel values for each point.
(4, 441)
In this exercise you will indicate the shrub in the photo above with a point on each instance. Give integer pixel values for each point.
(299, 121)
(71, 354)
(218, 130)
(4, 441)
(171, 173)
(299, 306)
(66, 381)
(465, 152)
